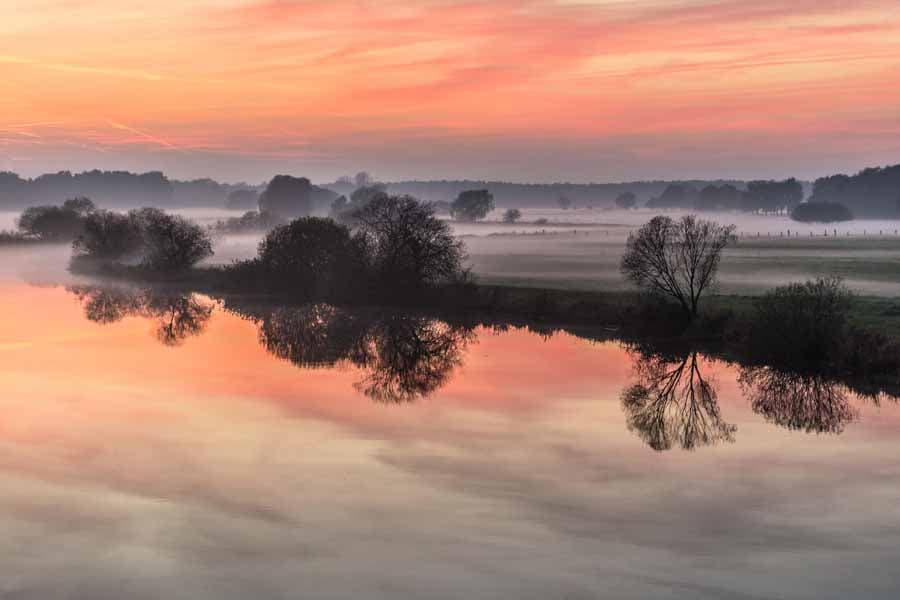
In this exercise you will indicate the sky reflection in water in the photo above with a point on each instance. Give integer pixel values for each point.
(173, 448)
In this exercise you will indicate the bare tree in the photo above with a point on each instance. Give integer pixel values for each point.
(673, 404)
(409, 248)
(678, 259)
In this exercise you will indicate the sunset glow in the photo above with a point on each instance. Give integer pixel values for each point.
(579, 90)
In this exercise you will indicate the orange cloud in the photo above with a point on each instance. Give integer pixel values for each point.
(359, 82)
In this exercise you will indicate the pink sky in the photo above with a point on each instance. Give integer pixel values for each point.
(545, 90)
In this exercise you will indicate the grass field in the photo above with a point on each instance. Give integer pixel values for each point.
(589, 260)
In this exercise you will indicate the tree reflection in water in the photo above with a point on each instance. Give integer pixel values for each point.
(673, 404)
(405, 357)
(798, 401)
(177, 317)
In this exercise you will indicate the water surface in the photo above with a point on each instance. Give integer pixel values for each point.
(165, 446)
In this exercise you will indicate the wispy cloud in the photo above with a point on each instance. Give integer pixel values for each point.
(253, 76)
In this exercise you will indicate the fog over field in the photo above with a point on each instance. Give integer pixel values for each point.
(581, 249)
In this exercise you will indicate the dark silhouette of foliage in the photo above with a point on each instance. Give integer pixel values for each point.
(403, 357)
(673, 404)
(675, 195)
(177, 317)
(676, 259)
(171, 242)
(287, 196)
(798, 401)
(79, 205)
(800, 324)
(109, 235)
(363, 179)
(626, 200)
(512, 215)
(408, 357)
(715, 197)
(821, 212)
(250, 222)
(345, 212)
(409, 248)
(312, 259)
(873, 193)
(472, 205)
(772, 196)
(56, 223)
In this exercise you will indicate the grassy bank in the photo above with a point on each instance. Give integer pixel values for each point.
(610, 310)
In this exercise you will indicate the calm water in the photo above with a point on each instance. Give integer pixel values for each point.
(159, 446)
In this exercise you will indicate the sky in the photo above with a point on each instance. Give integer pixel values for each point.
(520, 90)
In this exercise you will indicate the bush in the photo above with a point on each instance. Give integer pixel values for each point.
(512, 215)
(410, 249)
(472, 205)
(287, 196)
(344, 212)
(55, 223)
(109, 235)
(312, 258)
(170, 242)
(801, 324)
(821, 212)
(250, 222)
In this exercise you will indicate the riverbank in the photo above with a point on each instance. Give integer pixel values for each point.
(615, 310)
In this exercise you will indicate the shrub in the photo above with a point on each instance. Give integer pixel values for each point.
(512, 215)
(170, 242)
(53, 223)
(801, 324)
(312, 258)
(108, 235)
(821, 212)
(410, 249)
(472, 205)
(251, 221)
(287, 196)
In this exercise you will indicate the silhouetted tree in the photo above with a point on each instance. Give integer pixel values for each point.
(80, 205)
(800, 324)
(56, 223)
(821, 212)
(675, 195)
(772, 196)
(673, 404)
(410, 249)
(409, 357)
(345, 212)
(676, 259)
(404, 357)
(714, 197)
(626, 200)
(171, 242)
(363, 179)
(799, 401)
(177, 317)
(472, 205)
(512, 215)
(251, 221)
(288, 197)
(870, 193)
(312, 258)
(109, 235)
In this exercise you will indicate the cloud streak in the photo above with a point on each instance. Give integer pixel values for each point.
(225, 75)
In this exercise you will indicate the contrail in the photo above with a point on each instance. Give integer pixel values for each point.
(144, 135)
